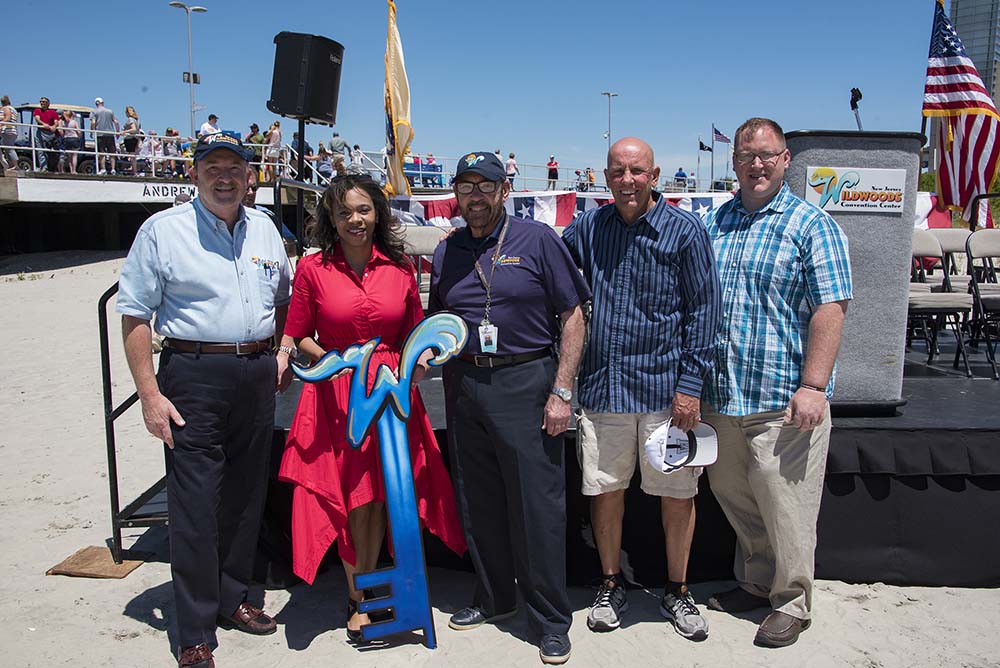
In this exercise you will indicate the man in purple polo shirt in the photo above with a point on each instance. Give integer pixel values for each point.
(507, 400)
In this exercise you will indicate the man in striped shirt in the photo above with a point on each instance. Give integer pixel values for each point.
(786, 282)
(652, 340)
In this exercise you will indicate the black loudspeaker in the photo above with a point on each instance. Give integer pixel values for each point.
(306, 80)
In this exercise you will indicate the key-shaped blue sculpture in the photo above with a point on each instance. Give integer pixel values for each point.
(388, 406)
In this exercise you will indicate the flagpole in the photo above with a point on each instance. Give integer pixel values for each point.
(697, 174)
(711, 178)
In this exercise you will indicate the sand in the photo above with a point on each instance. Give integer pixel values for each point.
(54, 500)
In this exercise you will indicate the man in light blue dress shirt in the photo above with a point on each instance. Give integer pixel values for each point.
(214, 279)
(786, 282)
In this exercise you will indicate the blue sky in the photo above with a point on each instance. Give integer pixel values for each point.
(522, 76)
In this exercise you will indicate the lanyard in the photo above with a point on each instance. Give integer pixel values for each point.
(488, 284)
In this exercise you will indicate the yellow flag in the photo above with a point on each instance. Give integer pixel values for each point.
(398, 133)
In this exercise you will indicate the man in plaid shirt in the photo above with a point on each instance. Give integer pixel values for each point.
(786, 281)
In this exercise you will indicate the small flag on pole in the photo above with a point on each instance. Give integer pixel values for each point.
(702, 146)
(398, 132)
(719, 137)
(966, 142)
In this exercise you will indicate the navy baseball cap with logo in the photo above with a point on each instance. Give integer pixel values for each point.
(217, 140)
(483, 163)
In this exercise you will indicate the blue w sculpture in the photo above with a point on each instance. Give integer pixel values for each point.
(446, 334)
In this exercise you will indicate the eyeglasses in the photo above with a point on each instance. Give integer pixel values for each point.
(766, 157)
(485, 187)
(253, 189)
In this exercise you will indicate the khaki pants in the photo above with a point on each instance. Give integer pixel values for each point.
(769, 481)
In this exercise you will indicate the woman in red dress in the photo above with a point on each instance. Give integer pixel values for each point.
(360, 286)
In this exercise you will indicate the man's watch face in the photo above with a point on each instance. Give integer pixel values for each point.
(563, 393)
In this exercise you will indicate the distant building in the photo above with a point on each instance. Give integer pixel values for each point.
(977, 22)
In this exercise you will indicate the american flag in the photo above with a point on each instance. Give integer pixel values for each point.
(719, 137)
(967, 147)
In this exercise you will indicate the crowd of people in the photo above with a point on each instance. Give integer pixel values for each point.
(124, 147)
(687, 328)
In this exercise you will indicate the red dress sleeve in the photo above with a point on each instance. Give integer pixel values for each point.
(301, 319)
(414, 309)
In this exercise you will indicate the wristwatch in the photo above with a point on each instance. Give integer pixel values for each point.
(563, 393)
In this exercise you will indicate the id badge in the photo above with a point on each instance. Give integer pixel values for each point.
(488, 338)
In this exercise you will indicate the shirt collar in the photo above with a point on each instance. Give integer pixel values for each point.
(651, 217)
(377, 257)
(777, 204)
(466, 239)
(210, 218)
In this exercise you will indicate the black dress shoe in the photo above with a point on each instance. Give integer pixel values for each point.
(249, 620)
(555, 648)
(473, 617)
(737, 600)
(779, 630)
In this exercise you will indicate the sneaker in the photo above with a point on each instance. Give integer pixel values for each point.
(100, 172)
(609, 606)
(555, 649)
(684, 614)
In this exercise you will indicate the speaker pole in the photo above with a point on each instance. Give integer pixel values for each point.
(300, 206)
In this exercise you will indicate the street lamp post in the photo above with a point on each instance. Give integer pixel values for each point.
(610, 95)
(187, 11)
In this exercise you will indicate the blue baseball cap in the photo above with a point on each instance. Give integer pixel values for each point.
(483, 163)
(216, 140)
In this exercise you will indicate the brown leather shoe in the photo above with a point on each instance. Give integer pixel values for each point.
(779, 630)
(737, 600)
(249, 620)
(199, 656)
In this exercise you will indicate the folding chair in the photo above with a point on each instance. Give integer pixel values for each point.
(421, 240)
(952, 240)
(984, 245)
(932, 311)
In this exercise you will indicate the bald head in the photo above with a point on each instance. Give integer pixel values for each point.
(632, 146)
(631, 175)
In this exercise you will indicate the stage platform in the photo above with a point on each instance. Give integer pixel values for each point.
(912, 499)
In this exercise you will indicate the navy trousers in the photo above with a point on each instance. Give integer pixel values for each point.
(216, 480)
(510, 484)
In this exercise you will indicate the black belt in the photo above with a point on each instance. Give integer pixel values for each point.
(494, 361)
(249, 348)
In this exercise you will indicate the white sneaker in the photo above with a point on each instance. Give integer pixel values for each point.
(684, 614)
(100, 172)
(609, 606)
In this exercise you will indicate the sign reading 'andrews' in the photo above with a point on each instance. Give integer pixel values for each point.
(855, 189)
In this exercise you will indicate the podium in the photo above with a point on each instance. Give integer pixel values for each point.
(868, 182)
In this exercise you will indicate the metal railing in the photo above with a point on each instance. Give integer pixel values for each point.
(424, 171)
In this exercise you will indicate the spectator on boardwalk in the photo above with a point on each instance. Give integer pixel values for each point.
(786, 283)
(324, 163)
(553, 166)
(680, 178)
(69, 130)
(511, 170)
(652, 345)
(130, 134)
(46, 122)
(306, 150)
(255, 141)
(106, 127)
(8, 133)
(590, 179)
(171, 151)
(272, 154)
(357, 160)
(211, 126)
(150, 151)
(339, 150)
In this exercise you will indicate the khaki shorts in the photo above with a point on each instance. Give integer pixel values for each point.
(607, 447)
